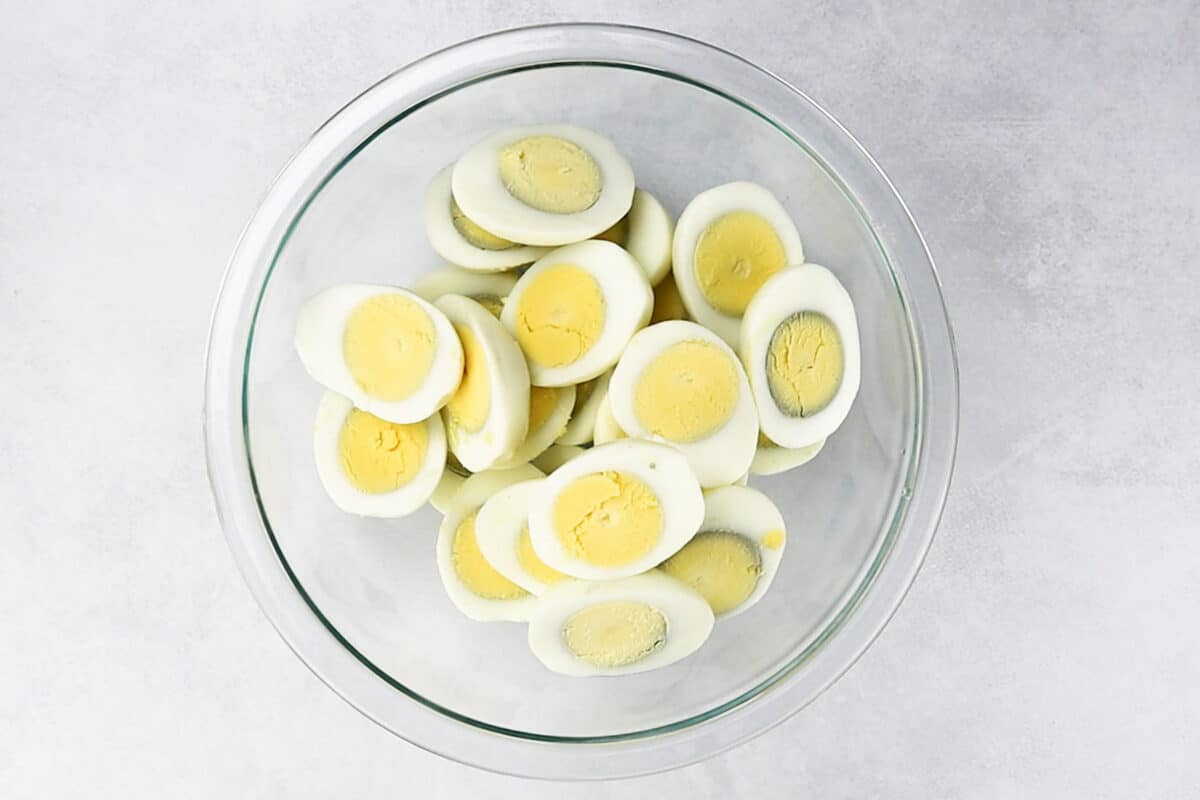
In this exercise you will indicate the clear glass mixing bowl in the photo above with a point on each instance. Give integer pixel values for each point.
(359, 600)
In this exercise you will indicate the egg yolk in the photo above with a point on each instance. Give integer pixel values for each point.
(480, 577)
(667, 302)
(734, 257)
(388, 345)
(616, 633)
(378, 456)
(529, 561)
(722, 566)
(773, 540)
(687, 392)
(804, 364)
(607, 519)
(493, 304)
(550, 174)
(559, 315)
(475, 235)
(470, 404)
(618, 233)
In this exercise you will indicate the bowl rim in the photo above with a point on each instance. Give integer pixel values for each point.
(852, 628)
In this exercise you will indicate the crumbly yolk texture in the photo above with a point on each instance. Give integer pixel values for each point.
(722, 566)
(469, 406)
(480, 577)
(607, 519)
(529, 561)
(542, 402)
(475, 235)
(388, 345)
(773, 539)
(734, 257)
(804, 365)
(493, 304)
(560, 315)
(667, 302)
(616, 633)
(687, 392)
(551, 174)
(378, 456)
(618, 233)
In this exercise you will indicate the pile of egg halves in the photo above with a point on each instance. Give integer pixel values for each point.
(583, 392)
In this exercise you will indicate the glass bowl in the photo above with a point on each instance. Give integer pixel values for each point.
(359, 600)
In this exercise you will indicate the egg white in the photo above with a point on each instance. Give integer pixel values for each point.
(455, 280)
(607, 429)
(773, 460)
(536, 441)
(498, 528)
(650, 235)
(582, 425)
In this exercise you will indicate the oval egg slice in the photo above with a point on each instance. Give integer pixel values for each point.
(588, 397)
(544, 184)
(800, 347)
(549, 409)
(771, 459)
(502, 528)
(575, 309)
(646, 233)
(486, 288)
(373, 467)
(617, 510)
(729, 241)
(618, 627)
(606, 430)
(391, 352)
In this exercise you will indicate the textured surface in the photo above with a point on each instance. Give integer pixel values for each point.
(1048, 648)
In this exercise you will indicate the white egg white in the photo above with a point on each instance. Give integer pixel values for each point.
(483, 287)
(649, 235)
(771, 460)
(481, 194)
(469, 498)
(796, 289)
(320, 328)
(538, 439)
(706, 208)
(448, 486)
(582, 425)
(689, 621)
(662, 468)
(498, 528)
(327, 428)
(717, 459)
(627, 297)
(607, 429)
(452, 246)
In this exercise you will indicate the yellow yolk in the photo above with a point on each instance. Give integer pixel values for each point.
(475, 235)
(542, 401)
(687, 392)
(667, 302)
(773, 540)
(470, 404)
(722, 566)
(493, 304)
(388, 345)
(734, 257)
(550, 174)
(480, 577)
(804, 364)
(616, 633)
(378, 456)
(529, 561)
(559, 316)
(618, 233)
(607, 519)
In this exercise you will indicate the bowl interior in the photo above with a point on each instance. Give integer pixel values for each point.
(374, 582)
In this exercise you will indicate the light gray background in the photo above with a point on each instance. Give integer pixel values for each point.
(1048, 649)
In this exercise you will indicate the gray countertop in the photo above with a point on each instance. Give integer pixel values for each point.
(1049, 646)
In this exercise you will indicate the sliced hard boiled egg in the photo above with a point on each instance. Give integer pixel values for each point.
(543, 184)
(555, 456)
(486, 288)
(618, 627)
(549, 409)
(729, 241)
(373, 467)
(680, 384)
(471, 582)
(391, 352)
(734, 557)
(588, 396)
(502, 529)
(461, 241)
(487, 416)
(770, 458)
(575, 309)
(617, 510)
(799, 345)
(667, 302)
(606, 430)
(448, 486)
(646, 232)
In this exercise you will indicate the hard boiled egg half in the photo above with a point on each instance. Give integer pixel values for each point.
(799, 345)
(543, 184)
(770, 458)
(645, 232)
(575, 309)
(588, 397)
(549, 409)
(618, 627)
(679, 383)
(486, 288)
(373, 467)
(388, 350)
(617, 510)
(502, 529)
(729, 241)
